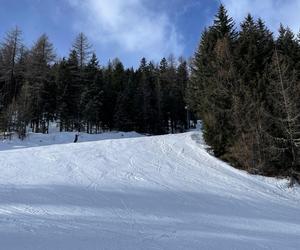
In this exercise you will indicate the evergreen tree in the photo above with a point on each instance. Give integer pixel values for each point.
(224, 25)
(253, 42)
(124, 117)
(162, 88)
(69, 89)
(108, 98)
(92, 96)
(114, 81)
(147, 104)
(64, 102)
(288, 45)
(197, 93)
(213, 77)
(182, 77)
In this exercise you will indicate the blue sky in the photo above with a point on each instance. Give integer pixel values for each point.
(131, 29)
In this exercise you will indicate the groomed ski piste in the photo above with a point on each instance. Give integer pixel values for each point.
(125, 191)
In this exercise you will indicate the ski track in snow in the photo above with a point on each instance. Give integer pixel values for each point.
(160, 192)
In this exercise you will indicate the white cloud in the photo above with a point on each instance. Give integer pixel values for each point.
(273, 12)
(129, 26)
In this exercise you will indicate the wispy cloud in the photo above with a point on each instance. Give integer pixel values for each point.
(273, 12)
(128, 25)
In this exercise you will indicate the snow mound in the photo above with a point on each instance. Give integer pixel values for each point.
(161, 192)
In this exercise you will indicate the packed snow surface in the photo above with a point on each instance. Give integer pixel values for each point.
(163, 192)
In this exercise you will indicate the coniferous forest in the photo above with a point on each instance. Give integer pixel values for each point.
(243, 82)
(82, 95)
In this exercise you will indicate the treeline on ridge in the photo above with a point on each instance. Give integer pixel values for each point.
(245, 86)
(81, 95)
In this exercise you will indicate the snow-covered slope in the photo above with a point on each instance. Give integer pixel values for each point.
(163, 192)
(37, 140)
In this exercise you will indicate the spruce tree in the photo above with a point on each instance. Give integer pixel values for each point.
(253, 42)
(92, 96)
(224, 25)
(109, 97)
(182, 77)
(69, 93)
(287, 44)
(125, 112)
(197, 93)
(213, 77)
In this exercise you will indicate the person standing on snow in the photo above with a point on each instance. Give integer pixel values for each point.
(76, 138)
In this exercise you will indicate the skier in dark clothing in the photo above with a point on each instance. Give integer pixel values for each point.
(76, 138)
